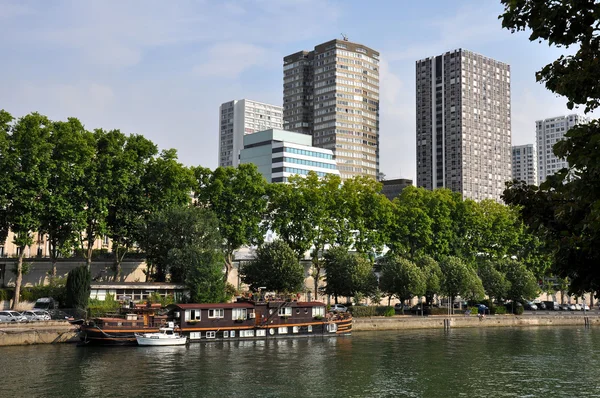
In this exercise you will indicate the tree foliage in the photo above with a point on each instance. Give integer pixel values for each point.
(78, 287)
(276, 268)
(564, 211)
(402, 278)
(348, 274)
(238, 198)
(181, 230)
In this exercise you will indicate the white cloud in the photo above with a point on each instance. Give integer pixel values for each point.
(229, 59)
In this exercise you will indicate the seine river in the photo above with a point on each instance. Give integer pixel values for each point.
(528, 362)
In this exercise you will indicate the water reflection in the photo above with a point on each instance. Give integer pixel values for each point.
(461, 362)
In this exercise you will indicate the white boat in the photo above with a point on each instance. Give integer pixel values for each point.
(165, 336)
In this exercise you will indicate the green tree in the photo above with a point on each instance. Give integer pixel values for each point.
(494, 282)
(181, 232)
(128, 201)
(276, 268)
(27, 165)
(6, 182)
(411, 231)
(433, 276)
(304, 214)
(523, 284)
(348, 274)
(564, 210)
(63, 215)
(201, 269)
(78, 287)
(368, 214)
(99, 186)
(238, 198)
(457, 278)
(402, 278)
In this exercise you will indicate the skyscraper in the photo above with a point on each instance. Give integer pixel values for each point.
(524, 164)
(463, 124)
(332, 93)
(548, 132)
(240, 117)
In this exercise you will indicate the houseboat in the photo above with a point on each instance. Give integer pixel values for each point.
(242, 320)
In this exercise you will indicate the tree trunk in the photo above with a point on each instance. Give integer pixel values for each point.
(19, 280)
(228, 265)
(316, 274)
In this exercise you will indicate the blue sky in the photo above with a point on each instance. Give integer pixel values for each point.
(162, 68)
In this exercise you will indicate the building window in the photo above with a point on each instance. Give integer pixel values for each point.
(238, 314)
(318, 311)
(216, 313)
(192, 315)
(285, 311)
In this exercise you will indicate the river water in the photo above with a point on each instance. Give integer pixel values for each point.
(503, 362)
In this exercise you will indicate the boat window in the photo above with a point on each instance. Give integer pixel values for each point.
(297, 310)
(261, 333)
(210, 335)
(216, 313)
(332, 327)
(226, 334)
(285, 311)
(246, 333)
(282, 330)
(295, 329)
(232, 333)
(309, 328)
(318, 311)
(239, 314)
(192, 315)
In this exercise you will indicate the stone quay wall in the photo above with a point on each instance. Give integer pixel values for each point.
(461, 321)
(43, 332)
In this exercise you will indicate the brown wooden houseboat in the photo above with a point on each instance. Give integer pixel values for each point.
(242, 320)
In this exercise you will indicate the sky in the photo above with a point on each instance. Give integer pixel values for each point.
(162, 68)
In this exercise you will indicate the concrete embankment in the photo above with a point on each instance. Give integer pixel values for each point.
(442, 322)
(47, 332)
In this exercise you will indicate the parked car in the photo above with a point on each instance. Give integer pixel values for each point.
(585, 307)
(45, 303)
(552, 305)
(572, 307)
(338, 308)
(577, 307)
(530, 306)
(398, 307)
(565, 307)
(541, 305)
(11, 316)
(36, 315)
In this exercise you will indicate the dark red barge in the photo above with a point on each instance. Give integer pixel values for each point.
(244, 320)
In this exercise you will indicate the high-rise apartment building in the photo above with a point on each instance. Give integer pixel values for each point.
(463, 124)
(524, 164)
(548, 132)
(240, 117)
(332, 93)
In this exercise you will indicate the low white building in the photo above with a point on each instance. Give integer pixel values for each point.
(279, 154)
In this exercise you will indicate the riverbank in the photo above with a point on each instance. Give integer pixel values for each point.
(408, 322)
(44, 332)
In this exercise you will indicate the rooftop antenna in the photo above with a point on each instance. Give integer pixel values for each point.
(344, 37)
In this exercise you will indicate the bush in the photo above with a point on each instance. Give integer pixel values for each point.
(498, 310)
(518, 310)
(56, 289)
(97, 308)
(6, 294)
(363, 312)
(389, 311)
